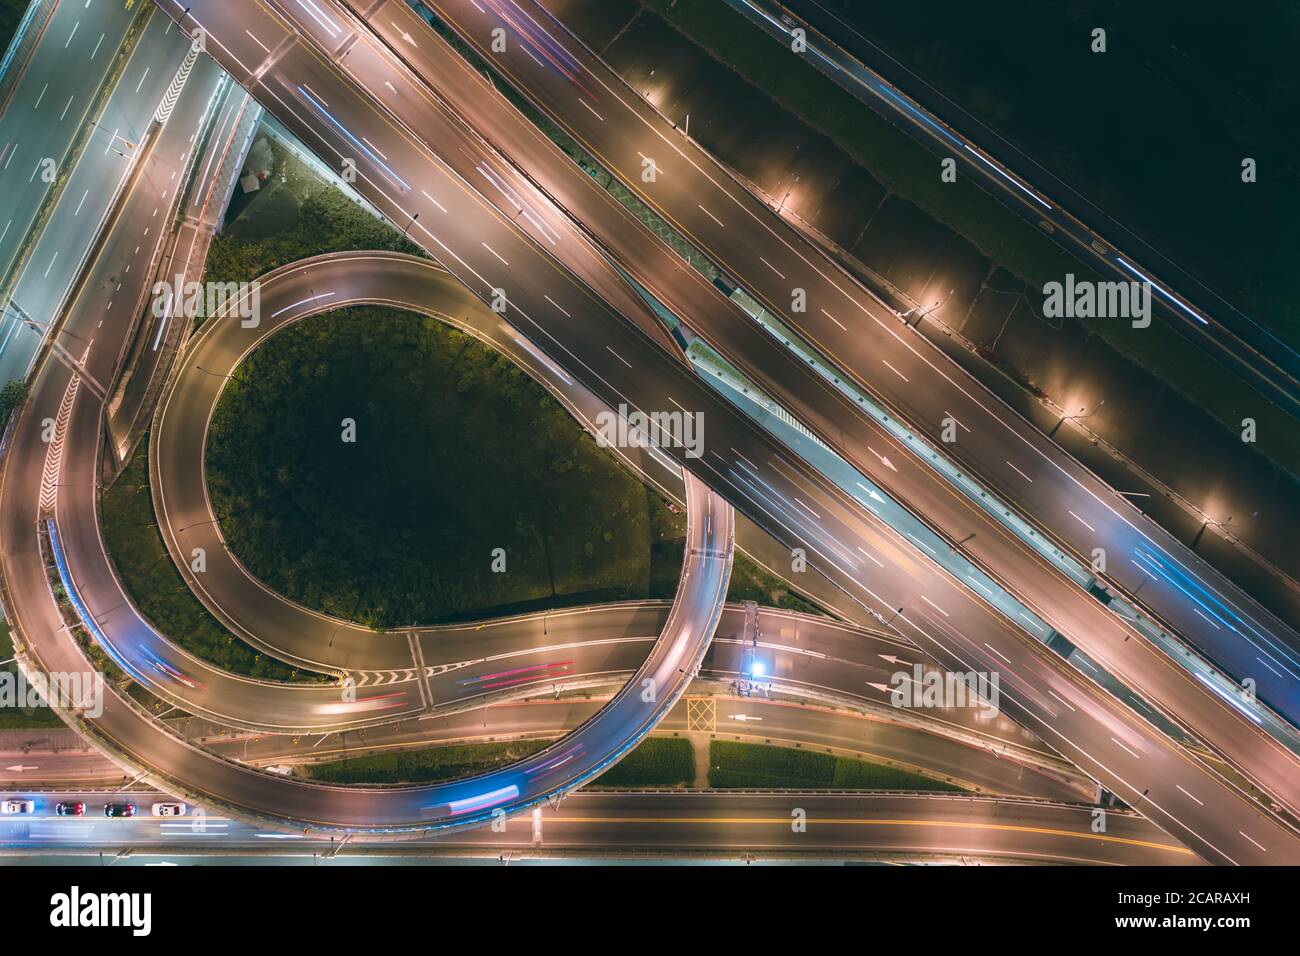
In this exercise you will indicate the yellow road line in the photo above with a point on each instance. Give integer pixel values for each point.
(785, 821)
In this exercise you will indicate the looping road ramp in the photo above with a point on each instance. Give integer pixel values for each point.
(140, 742)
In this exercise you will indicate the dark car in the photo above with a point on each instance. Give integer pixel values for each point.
(73, 809)
(119, 810)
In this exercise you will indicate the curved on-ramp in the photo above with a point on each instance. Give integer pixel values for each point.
(67, 465)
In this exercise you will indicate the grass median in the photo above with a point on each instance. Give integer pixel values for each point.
(655, 762)
(734, 765)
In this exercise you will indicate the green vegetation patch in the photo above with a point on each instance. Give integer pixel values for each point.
(751, 582)
(20, 718)
(461, 465)
(11, 397)
(11, 14)
(431, 765)
(737, 766)
(654, 762)
(296, 214)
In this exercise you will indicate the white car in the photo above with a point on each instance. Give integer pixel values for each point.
(169, 809)
(18, 806)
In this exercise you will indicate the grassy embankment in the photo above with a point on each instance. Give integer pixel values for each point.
(656, 762)
(20, 718)
(736, 766)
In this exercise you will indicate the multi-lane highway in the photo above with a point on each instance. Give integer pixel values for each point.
(978, 763)
(48, 108)
(1211, 712)
(1225, 331)
(791, 500)
(87, 189)
(717, 826)
(1068, 508)
(475, 242)
(1018, 471)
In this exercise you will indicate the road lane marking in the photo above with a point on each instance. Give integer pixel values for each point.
(557, 305)
(1127, 750)
(1082, 522)
(711, 216)
(955, 418)
(619, 357)
(1021, 473)
(1211, 620)
(809, 510)
(895, 371)
(935, 606)
(920, 542)
(998, 652)
(1061, 699)
(879, 563)
(835, 320)
(1252, 840)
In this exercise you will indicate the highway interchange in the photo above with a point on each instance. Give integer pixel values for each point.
(441, 154)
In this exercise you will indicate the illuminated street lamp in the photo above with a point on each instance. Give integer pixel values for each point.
(1078, 417)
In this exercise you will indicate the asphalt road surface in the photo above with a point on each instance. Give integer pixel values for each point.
(980, 765)
(1227, 333)
(475, 242)
(1069, 509)
(712, 825)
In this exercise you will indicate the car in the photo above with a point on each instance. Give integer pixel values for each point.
(73, 808)
(119, 809)
(18, 806)
(169, 809)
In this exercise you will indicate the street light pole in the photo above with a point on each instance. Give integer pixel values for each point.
(1078, 417)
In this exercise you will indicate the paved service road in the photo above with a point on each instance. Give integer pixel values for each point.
(979, 765)
(710, 825)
